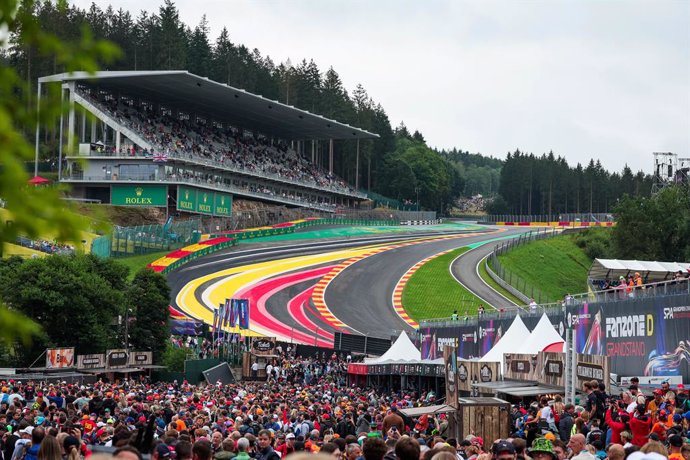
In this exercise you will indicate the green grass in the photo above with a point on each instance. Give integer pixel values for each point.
(136, 263)
(483, 274)
(555, 266)
(432, 292)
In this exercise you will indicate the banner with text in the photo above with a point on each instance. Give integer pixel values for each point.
(139, 195)
(94, 361)
(202, 201)
(644, 337)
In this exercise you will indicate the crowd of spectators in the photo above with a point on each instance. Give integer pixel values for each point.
(634, 284)
(184, 136)
(49, 247)
(304, 407)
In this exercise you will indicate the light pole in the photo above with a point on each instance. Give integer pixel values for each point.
(416, 189)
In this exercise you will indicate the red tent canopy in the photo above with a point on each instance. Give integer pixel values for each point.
(38, 180)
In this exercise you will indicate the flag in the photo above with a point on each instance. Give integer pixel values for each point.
(243, 313)
(215, 320)
(221, 314)
(233, 312)
(160, 157)
(228, 311)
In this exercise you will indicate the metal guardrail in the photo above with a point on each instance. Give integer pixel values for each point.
(565, 217)
(520, 287)
(646, 291)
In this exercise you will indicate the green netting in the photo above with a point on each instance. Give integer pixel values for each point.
(381, 201)
(144, 239)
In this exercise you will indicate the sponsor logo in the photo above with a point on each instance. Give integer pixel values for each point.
(682, 312)
(630, 326)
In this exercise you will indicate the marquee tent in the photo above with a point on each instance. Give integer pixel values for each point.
(510, 342)
(543, 336)
(403, 350)
(651, 271)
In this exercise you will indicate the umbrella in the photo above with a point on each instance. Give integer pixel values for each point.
(38, 180)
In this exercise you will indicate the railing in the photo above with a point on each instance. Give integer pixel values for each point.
(565, 217)
(522, 289)
(204, 183)
(646, 291)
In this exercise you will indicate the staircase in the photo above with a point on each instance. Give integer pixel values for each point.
(114, 124)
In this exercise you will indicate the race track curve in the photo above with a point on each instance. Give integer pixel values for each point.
(279, 279)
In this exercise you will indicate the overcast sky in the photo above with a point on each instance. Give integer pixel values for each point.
(602, 79)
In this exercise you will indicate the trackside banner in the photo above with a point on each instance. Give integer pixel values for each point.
(644, 337)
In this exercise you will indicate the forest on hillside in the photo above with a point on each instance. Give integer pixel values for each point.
(399, 165)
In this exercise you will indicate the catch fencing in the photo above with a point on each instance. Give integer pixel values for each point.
(145, 239)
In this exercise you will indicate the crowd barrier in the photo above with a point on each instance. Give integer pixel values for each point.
(180, 257)
(291, 227)
(563, 223)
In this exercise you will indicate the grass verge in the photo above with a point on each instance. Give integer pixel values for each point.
(136, 263)
(555, 266)
(432, 292)
(484, 275)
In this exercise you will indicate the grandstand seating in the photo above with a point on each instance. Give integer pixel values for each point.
(212, 142)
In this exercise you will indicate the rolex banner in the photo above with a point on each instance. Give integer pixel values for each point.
(450, 360)
(204, 201)
(139, 195)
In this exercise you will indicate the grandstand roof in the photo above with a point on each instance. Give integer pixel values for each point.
(219, 101)
(652, 271)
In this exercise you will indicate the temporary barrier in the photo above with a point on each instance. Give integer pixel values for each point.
(646, 336)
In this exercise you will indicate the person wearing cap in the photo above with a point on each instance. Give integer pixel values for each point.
(682, 400)
(542, 449)
(161, 452)
(22, 443)
(503, 450)
(287, 447)
(675, 444)
(37, 435)
(662, 425)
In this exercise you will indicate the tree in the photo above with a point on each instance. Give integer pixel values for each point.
(654, 228)
(34, 210)
(199, 50)
(73, 298)
(149, 298)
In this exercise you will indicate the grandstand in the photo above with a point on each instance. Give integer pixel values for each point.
(174, 139)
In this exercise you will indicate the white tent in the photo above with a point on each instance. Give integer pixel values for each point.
(403, 350)
(651, 271)
(543, 335)
(509, 343)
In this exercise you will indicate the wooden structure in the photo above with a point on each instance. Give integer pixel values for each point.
(249, 358)
(485, 417)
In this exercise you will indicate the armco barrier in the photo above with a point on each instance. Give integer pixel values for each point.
(291, 227)
(219, 241)
(180, 257)
(552, 224)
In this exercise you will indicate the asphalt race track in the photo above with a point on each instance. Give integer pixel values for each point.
(304, 291)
